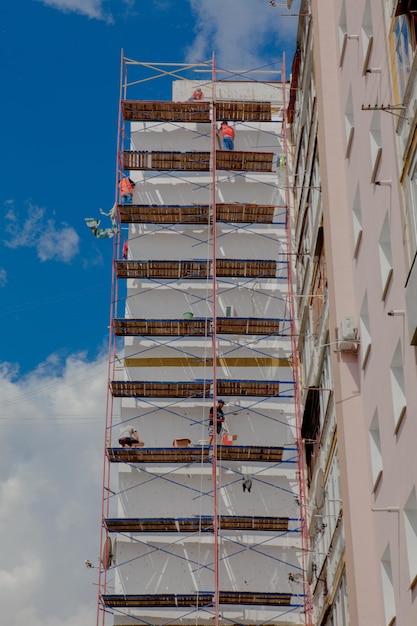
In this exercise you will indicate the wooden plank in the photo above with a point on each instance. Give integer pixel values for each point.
(196, 454)
(196, 327)
(197, 214)
(196, 269)
(197, 524)
(238, 111)
(198, 161)
(246, 598)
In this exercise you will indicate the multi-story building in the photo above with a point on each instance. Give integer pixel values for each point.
(353, 114)
(195, 533)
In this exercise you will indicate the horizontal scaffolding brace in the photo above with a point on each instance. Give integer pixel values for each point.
(162, 111)
(198, 161)
(196, 454)
(201, 269)
(204, 598)
(201, 389)
(197, 214)
(197, 524)
(200, 327)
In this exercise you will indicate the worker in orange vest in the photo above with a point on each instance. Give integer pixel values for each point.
(126, 190)
(197, 95)
(228, 135)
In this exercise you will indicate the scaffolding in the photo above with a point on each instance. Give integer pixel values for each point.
(194, 533)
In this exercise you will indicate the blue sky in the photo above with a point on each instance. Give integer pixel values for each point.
(58, 124)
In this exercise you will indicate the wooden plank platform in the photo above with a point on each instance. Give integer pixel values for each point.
(145, 389)
(162, 328)
(199, 327)
(204, 598)
(151, 389)
(196, 111)
(232, 160)
(197, 524)
(196, 454)
(199, 269)
(197, 214)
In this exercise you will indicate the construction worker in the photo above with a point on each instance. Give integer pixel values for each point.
(220, 418)
(126, 190)
(197, 95)
(228, 136)
(129, 438)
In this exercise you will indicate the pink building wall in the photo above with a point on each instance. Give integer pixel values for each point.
(363, 387)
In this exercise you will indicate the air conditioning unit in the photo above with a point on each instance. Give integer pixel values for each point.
(348, 335)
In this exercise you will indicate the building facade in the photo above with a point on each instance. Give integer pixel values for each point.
(354, 135)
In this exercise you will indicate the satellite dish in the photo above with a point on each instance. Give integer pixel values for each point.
(319, 489)
(313, 527)
(311, 568)
(107, 554)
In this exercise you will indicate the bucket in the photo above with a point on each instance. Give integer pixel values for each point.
(227, 440)
(188, 315)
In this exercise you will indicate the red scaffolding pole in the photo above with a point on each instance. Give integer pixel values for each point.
(214, 344)
(112, 349)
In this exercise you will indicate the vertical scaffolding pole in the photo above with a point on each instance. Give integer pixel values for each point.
(214, 342)
(297, 405)
(112, 349)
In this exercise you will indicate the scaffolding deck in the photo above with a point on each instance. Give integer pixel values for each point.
(161, 111)
(204, 598)
(197, 524)
(199, 269)
(196, 454)
(233, 160)
(196, 389)
(196, 214)
(199, 327)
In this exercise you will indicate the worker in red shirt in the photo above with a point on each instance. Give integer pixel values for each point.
(126, 190)
(228, 136)
(197, 94)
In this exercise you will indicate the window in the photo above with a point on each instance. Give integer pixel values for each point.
(385, 257)
(349, 124)
(404, 42)
(376, 144)
(357, 222)
(327, 517)
(398, 387)
(326, 382)
(342, 32)
(304, 249)
(340, 604)
(376, 454)
(311, 429)
(365, 331)
(367, 35)
(410, 523)
(319, 282)
(411, 205)
(388, 587)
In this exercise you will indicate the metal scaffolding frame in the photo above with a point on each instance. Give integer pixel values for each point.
(261, 397)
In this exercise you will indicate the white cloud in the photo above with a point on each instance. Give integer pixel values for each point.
(239, 31)
(51, 456)
(59, 244)
(3, 277)
(91, 8)
(33, 230)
